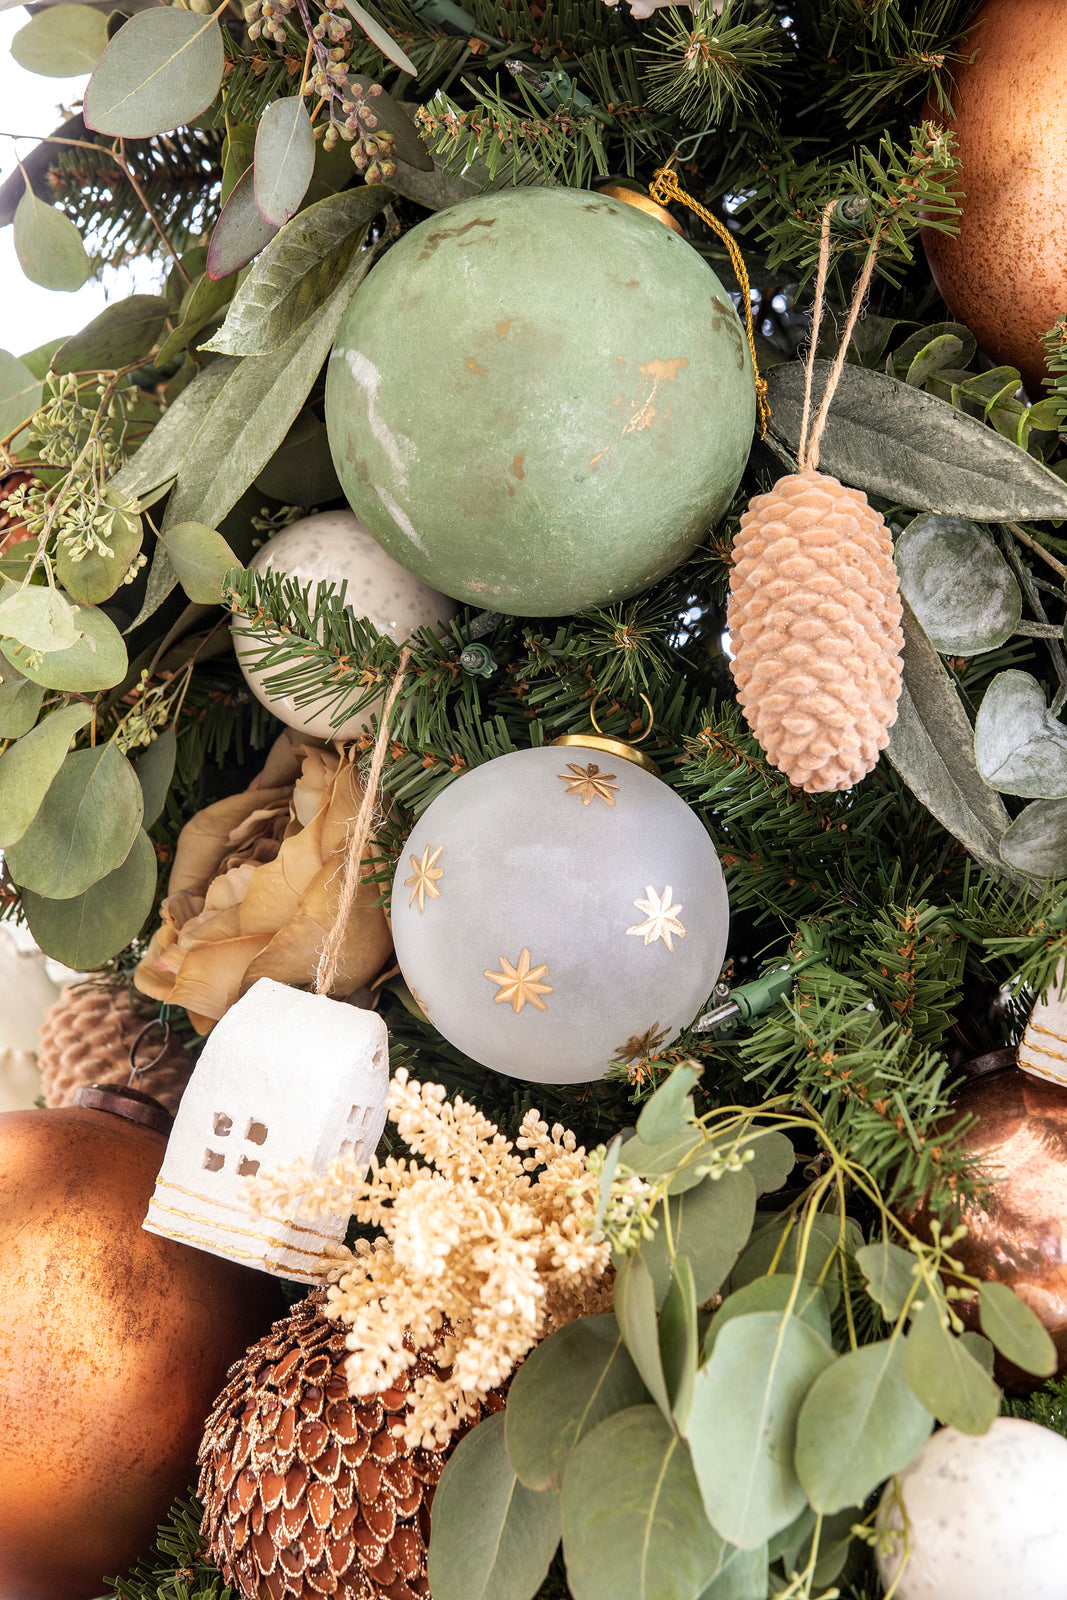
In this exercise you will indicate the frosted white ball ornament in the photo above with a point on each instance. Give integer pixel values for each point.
(334, 546)
(558, 909)
(987, 1517)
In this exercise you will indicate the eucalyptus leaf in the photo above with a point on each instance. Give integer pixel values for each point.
(168, 445)
(238, 153)
(40, 618)
(943, 1375)
(155, 769)
(633, 1523)
(980, 1348)
(28, 767)
(656, 1160)
(607, 1178)
(63, 41)
(958, 584)
(201, 305)
(201, 559)
(39, 359)
(49, 246)
(241, 231)
(1020, 747)
(297, 271)
(567, 1385)
(670, 1110)
(435, 188)
(766, 1248)
(743, 1423)
(385, 41)
(859, 1424)
(773, 1159)
(90, 928)
(121, 333)
(742, 1575)
(1016, 1330)
(932, 747)
(678, 1341)
(160, 71)
(772, 1294)
(252, 414)
(301, 470)
(284, 159)
(893, 440)
(492, 1537)
(1036, 842)
(890, 1274)
(20, 393)
(708, 1223)
(835, 1541)
(95, 577)
(84, 827)
(635, 1313)
(97, 660)
(20, 703)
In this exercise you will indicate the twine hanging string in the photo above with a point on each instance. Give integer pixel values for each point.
(664, 188)
(358, 838)
(808, 452)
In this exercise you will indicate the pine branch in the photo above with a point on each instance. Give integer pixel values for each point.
(177, 1568)
(711, 65)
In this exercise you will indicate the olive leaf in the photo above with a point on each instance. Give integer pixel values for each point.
(567, 1385)
(958, 584)
(62, 41)
(88, 929)
(492, 1537)
(932, 747)
(84, 827)
(891, 439)
(297, 272)
(633, 1522)
(284, 159)
(301, 470)
(201, 305)
(49, 246)
(121, 333)
(1020, 747)
(28, 767)
(168, 445)
(162, 69)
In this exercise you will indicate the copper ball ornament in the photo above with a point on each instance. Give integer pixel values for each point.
(1005, 274)
(1018, 1231)
(116, 1342)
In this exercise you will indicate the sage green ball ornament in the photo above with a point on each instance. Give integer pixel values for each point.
(540, 400)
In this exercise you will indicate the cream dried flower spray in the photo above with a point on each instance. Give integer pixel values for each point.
(491, 1242)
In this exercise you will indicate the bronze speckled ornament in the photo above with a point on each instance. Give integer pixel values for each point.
(306, 1491)
(115, 1343)
(1018, 1236)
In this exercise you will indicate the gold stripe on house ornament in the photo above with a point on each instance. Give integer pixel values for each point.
(661, 919)
(423, 882)
(589, 783)
(519, 984)
(1048, 1021)
(196, 1194)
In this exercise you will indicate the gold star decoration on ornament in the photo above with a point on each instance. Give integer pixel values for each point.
(661, 919)
(519, 984)
(590, 783)
(424, 880)
(642, 1044)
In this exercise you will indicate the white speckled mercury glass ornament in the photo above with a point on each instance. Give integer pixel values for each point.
(559, 909)
(331, 547)
(1043, 1049)
(987, 1516)
(284, 1075)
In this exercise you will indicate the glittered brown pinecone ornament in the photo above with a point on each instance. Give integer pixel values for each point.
(306, 1490)
(814, 619)
(86, 1037)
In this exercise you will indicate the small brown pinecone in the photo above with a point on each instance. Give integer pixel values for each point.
(86, 1037)
(307, 1491)
(814, 619)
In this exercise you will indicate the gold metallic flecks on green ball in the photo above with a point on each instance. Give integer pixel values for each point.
(540, 400)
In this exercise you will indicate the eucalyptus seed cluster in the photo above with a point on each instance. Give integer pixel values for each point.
(76, 413)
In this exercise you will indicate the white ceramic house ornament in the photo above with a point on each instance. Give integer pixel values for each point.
(284, 1075)
(1043, 1051)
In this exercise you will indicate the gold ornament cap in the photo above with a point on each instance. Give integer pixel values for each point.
(121, 1101)
(621, 749)
(644, 202)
